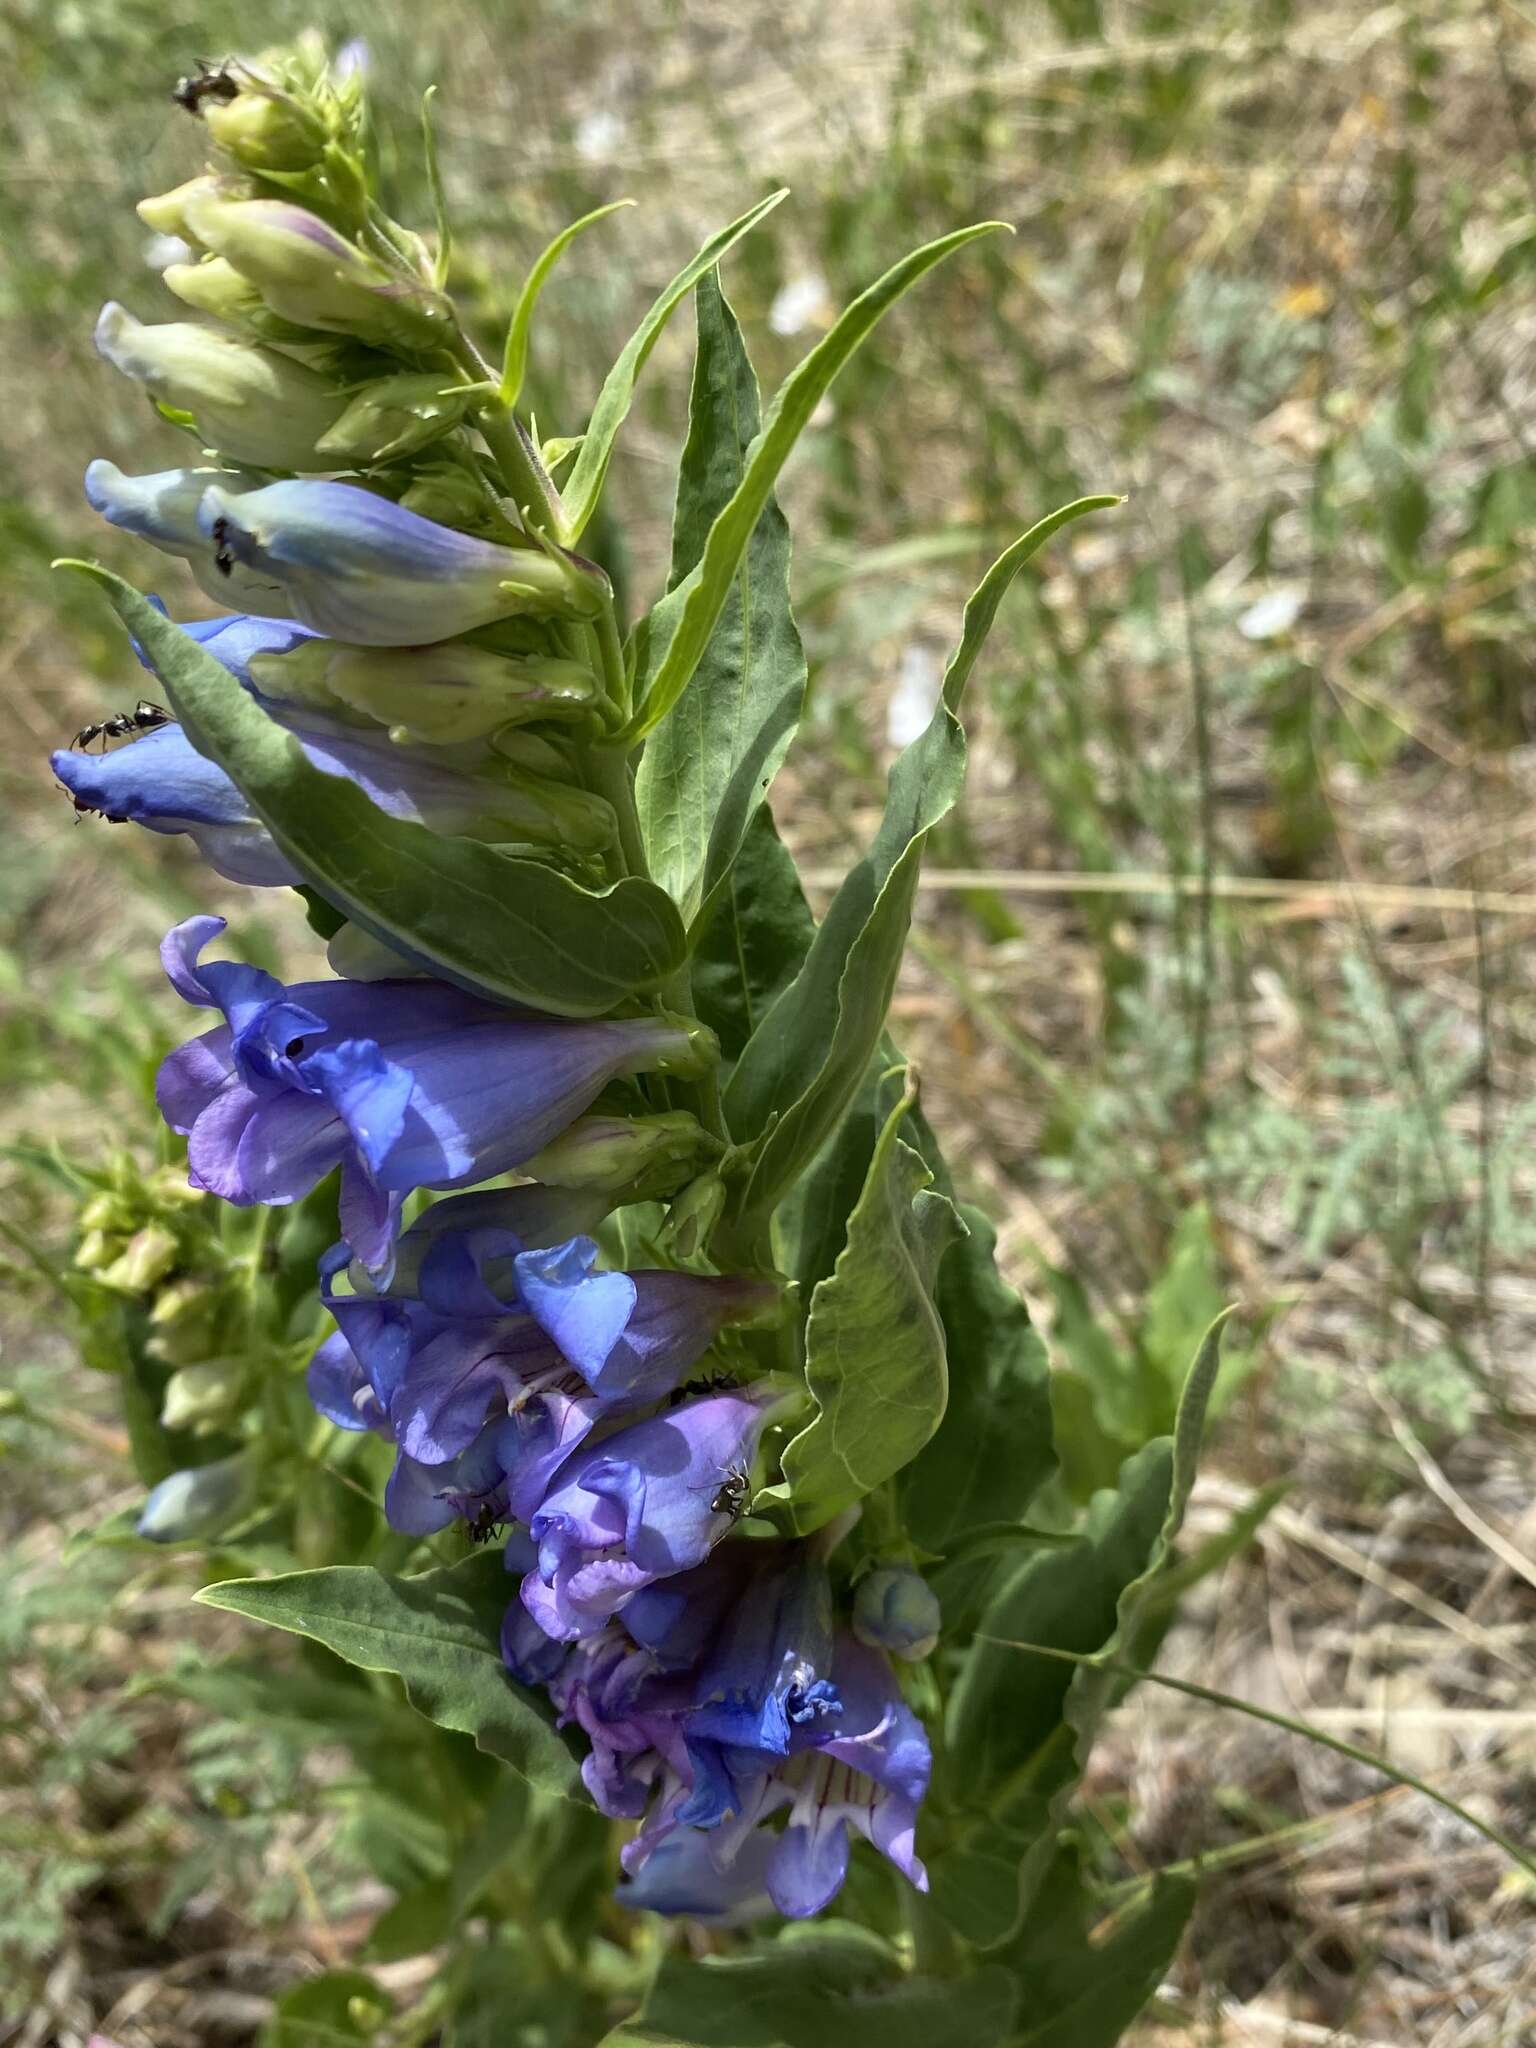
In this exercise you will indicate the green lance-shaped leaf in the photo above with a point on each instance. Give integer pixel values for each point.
(755, 941)
(706, 589)
(874, 1343)
(993, 1450)
(1092, 1691)
(440, 1633)
(585, 484)
(512, 930)
(514, 361)
(824, 1985)
(707, 766)
(443, 261)
(1082, 1989)
(1021, 1724)
(808, 1056)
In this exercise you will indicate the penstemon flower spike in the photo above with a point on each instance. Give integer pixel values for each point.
(682, 1352)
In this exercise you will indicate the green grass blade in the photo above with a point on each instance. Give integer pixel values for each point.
(514, 361)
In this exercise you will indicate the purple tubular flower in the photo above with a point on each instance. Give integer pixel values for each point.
(531, 1348)
(362, 569)
(865, 1772)
(597, 1687)
(403, 1084)
(637, 1507)
(164, 784)
(419, 1498)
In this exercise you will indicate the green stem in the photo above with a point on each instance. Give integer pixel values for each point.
(610, 777)
(527, 485)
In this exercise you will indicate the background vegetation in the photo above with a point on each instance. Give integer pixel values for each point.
(1275, 279)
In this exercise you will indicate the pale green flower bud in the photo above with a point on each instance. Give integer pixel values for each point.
(166, 212)
(217, 288)
(199, 1502)
(107, 1211)
(183, 1321)
(448, 496)
(435, 695)
(895, 1609)
(250, 403)
(201, 1397)
(394, 417)
(266, 130)
(96, 1249)
(641, 1157)
(693, 1216)
(147, 1257)
(308, 272)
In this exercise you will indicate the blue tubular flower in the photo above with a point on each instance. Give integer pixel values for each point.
(162, 508)
(478, 1337)
(864, 1772)
(419, 1499)
(164, 784)
(403, 1084)
(649, 1501)
(742, 1644)
(238, 638)
(357, 567)
(763, 1677)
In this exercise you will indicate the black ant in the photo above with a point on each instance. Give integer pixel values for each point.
(711, 1383)
(223, 554)
(731, 1495)
(122, 725)
(485, 1523)
(211, 82)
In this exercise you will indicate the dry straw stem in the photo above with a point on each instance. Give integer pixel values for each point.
(1300, 899)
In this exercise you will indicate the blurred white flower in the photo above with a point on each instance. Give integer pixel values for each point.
(599, 134)
(352, 61)
(1272, 614)
(915, 695)
(797, 304)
